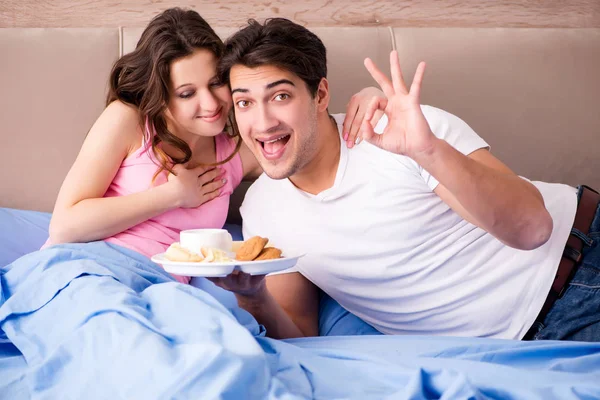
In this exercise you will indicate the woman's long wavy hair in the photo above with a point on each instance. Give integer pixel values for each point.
(142, 77)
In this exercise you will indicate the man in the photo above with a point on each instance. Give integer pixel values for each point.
(416, 230)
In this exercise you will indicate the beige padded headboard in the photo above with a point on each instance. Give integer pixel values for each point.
(52, 86)
(533, 94)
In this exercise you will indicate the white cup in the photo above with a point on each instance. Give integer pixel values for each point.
(195, 239)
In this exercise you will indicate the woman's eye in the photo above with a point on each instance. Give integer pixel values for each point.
(282, 96)
(186, 95)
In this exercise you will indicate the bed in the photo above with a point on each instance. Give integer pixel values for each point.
(81, 335)
(101, 328)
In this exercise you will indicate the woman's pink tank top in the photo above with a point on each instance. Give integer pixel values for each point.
(156, 234)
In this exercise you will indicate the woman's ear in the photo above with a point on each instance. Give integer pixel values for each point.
(167, 112)
(322, 96)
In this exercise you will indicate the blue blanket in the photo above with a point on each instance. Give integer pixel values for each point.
(99, 321)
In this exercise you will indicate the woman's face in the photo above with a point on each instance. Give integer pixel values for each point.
(198, 104)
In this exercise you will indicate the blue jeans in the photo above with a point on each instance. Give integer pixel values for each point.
(576, 315)
(334, 320)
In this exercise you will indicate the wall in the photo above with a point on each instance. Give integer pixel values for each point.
(397, 13)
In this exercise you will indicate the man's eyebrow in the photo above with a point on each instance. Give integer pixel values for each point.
(269, 86)
(239, 90)
(280, 82)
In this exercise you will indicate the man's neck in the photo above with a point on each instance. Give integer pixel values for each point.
(320, 173)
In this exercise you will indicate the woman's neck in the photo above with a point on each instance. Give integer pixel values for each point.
(203, 147)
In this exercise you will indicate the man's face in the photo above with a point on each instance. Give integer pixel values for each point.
(277, 118)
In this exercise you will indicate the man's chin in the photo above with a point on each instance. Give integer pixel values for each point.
(276, 172)
(277, 176)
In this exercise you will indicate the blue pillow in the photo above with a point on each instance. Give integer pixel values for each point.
(21, 232)
(24, 231)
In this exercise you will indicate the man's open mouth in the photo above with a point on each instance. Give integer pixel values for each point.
(273, 147)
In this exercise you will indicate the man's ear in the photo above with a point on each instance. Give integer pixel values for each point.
(322, 97)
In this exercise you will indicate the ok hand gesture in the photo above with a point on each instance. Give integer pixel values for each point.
(407, 132)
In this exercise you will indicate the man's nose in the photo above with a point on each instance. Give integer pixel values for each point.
(265, 121)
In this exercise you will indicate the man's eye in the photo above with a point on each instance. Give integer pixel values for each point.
(282, 96)
(243, 103)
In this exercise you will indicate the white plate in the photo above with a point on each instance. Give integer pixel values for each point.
(225, 268)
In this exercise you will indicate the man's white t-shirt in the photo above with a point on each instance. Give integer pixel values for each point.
(389, 250)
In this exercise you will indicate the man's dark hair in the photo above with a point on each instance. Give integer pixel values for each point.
(278, 42)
